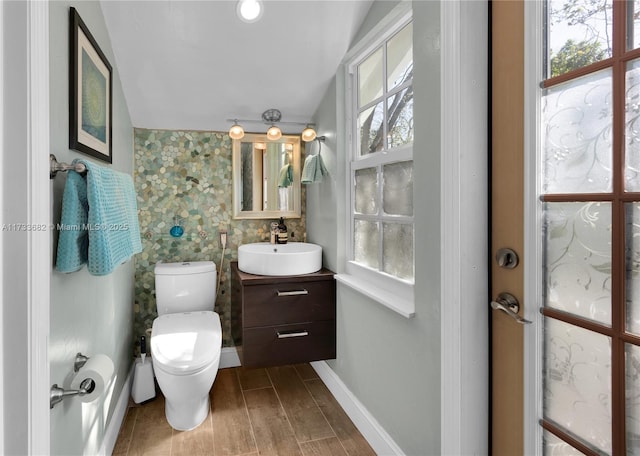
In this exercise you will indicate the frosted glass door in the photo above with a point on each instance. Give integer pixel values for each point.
(590, 207)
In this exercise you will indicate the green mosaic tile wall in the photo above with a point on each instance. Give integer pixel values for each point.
(188, 174)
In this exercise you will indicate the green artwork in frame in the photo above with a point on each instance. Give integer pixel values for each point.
(94, 101)
(90, 100)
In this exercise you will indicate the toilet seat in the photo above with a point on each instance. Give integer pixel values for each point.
(185, 343)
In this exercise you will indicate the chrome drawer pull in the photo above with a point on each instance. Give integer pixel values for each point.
(286, 335)
(292, 293)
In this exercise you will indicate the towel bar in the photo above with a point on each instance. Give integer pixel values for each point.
(54, 167)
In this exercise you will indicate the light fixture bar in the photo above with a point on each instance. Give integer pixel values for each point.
(271, 117)
(269, 123)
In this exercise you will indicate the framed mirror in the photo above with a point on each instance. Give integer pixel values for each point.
(266, 177)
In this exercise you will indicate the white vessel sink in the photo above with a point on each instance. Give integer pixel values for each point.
(292, 258)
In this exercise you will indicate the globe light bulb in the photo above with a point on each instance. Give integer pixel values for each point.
(249, 10)
(274, 133)
(308, 134)
(236, 131)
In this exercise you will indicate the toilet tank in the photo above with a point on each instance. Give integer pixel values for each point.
(185, 287)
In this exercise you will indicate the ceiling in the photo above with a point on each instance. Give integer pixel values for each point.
(194, 64)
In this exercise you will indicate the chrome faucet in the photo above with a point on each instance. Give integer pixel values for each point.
(274, 232)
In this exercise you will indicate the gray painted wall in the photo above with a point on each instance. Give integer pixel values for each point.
(89, 314)
(322, 221)
(390, 363)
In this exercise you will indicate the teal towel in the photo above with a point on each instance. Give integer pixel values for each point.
(99, 223)
(314, 169)
(285, 178)
(73, 243)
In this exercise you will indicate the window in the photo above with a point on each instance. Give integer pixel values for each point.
(380, 103)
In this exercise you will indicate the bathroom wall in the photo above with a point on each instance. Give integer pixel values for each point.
(188, 173)
(390, 363)
(88, 314)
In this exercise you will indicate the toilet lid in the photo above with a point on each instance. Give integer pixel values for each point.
(186, 342)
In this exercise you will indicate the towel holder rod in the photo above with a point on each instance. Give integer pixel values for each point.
(55, 166)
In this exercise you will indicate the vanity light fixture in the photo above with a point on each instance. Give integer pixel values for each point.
(274, 133)
(271, 117)
(308, 134)
(249, 10)
(236, 131)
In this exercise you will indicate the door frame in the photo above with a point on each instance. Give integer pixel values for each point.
(533, 336)
(39, 259)
(533, 333)
(27, 58)
(2, 221)
(463, 48)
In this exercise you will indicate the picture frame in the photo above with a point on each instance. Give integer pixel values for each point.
(90, 93)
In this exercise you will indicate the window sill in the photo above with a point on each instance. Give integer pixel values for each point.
(400, 305)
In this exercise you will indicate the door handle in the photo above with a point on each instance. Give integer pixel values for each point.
(509, 304)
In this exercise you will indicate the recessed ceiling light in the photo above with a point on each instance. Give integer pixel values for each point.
(249, 10)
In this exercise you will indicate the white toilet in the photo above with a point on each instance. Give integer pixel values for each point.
(186, 340)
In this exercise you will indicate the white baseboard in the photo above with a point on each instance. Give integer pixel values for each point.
(229, 358)
(371, 430)
(113, 429)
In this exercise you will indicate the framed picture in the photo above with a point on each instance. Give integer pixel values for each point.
(90, 83)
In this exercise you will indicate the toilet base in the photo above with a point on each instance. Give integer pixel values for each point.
(186, 396)
(186, 415)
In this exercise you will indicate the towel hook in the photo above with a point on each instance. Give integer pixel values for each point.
(320, 140)
(55, 166)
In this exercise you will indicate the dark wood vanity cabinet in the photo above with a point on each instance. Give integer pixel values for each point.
(283, 320)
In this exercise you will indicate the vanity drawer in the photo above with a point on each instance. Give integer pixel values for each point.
(289, 344)
(288, 302)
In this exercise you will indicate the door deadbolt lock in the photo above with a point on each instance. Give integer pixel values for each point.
(507, 258)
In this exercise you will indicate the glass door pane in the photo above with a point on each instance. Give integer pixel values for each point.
(577, 120)
(633, 267)
(577, 382)
(632, 127)
(553, 446)
(577, 259)
(633, 399)
(579, 32)
(633, 31)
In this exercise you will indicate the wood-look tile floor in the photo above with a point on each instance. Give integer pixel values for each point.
(275, 411)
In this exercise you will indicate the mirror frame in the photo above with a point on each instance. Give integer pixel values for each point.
(237, 178)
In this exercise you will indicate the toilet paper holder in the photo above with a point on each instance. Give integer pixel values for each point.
(57, 394)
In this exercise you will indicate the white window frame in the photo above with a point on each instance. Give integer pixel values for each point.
(390, 291)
